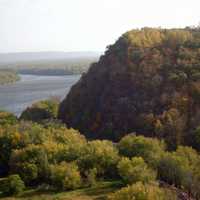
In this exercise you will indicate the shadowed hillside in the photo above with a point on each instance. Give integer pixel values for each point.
(147, 82)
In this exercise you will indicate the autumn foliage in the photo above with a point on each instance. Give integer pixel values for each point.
(147, 82)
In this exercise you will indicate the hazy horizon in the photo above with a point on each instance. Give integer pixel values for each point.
(50, 51)
(84, 26)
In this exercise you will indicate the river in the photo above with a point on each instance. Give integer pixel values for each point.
(32, 88)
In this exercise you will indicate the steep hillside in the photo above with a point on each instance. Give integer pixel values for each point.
(147, 82)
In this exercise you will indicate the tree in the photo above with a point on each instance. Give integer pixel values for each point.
(31, 163)
(192, 177)
(148, 148)
(42, 110)
(65, 176)
(72, 178)
(173, 170)
(91, 177)
(102, 155)
(135, 170)
(64, 145)
(7, 118)
(13, 185)
(141, 191)
(29, 172)
(170, 126)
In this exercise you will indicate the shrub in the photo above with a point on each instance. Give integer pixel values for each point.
(13, 185)
(7, 118)
(65, 176)
(173, 169)
(190, 156)
(68, 143)
(195, 189)
(72, 178)
(31, 163)
(135, 170)
(148, 148)
(29, 172)
(41, 110)
(141, 191)
(101, 155)
(192, 178)
(91, 177)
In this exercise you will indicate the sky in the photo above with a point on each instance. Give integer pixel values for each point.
(85, 25)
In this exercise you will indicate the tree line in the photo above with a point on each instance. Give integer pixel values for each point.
(61, 159)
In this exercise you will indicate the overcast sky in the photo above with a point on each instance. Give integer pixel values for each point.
(85, 25)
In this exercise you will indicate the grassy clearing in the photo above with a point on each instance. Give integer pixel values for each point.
(99, 192)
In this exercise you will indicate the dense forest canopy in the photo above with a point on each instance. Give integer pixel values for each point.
(48, 158)
(147, 82)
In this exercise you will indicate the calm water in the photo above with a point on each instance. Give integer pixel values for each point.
(16, 97)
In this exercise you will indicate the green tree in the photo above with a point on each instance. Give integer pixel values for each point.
(102, 155)
(192, 177)
(91, 177)
(13, 185)
(174, 170)
(135, 170)
(148, 148)
(42, 110)
(29, 172)
(141, 191)
(7, 118)
(65, 176)
(171, 128)
(31, 163)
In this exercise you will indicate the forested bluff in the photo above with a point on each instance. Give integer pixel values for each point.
(129, 128)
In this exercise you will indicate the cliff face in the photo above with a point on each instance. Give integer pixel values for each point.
(147, 82)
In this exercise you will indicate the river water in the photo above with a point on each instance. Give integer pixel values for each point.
(32, 88)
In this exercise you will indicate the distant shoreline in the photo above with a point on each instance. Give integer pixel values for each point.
(32, 88)
(48, 73)
(8, 77)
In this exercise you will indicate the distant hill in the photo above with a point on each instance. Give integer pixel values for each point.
(6, 58)
(48, 63)
(148, 82)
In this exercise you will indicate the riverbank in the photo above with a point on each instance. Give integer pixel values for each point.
(8, 76)
(31, 88)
